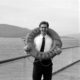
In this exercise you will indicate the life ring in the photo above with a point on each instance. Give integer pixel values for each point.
(42, 55)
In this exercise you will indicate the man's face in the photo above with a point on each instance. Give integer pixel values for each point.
(43, 29)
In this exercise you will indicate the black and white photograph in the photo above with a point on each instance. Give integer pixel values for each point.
(39, 40)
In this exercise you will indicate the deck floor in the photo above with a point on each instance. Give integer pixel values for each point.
(70, 73)
(22, 70)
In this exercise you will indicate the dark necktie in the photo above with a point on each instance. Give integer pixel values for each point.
(43, 44)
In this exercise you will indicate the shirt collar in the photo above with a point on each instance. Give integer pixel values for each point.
(43, 36)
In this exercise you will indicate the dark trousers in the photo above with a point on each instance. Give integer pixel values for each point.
(40, 69)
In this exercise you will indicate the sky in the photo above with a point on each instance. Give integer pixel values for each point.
(62, 15)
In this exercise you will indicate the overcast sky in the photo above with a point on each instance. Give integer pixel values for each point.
(63, 15)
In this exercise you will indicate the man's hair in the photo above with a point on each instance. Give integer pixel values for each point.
(44, 22)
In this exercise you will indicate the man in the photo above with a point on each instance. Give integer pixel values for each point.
(43, 43)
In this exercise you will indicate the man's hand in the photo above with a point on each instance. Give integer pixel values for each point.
(57, 50)
(27, 48)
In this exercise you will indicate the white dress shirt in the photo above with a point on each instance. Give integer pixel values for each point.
(38, 42)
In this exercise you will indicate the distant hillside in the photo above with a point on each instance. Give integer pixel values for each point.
(12, 31)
